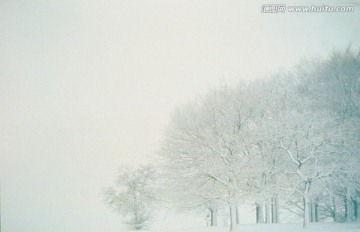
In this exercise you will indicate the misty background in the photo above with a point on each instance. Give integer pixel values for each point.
(87, 86)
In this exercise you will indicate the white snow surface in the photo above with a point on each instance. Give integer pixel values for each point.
(323, 227)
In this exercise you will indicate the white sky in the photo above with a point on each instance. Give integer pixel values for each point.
(87, 86)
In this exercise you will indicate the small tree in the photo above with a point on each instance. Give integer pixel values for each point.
(134, 196)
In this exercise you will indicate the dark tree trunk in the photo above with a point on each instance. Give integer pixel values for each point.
(356, 210)
(274, 210)
(334, 208)
(213, 215)
(314, 207)
(259, 213)
(316, 211)
(306, 215)
(348, 209)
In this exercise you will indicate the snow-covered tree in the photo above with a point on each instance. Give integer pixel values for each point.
(292, 140)
(204, 146)
(333, 85)
(134, 196)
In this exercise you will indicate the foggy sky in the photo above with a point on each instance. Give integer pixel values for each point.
(87, 86)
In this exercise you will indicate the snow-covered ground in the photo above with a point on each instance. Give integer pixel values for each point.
(323, 227)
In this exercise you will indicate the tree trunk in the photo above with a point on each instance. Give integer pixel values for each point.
(259, 213)
(237, 215)
(232, 217)
(277, 210)
(314, 208)
(268, 211)
(213, 216)
(348, 209)
(306, 219)
(351, 210)
(346, 214)
(316, 211)
(274, 210)
(356, 210)
(334, 208)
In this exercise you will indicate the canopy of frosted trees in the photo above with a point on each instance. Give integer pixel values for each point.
(288, 144)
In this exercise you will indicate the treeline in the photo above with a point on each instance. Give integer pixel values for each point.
(289, 144)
